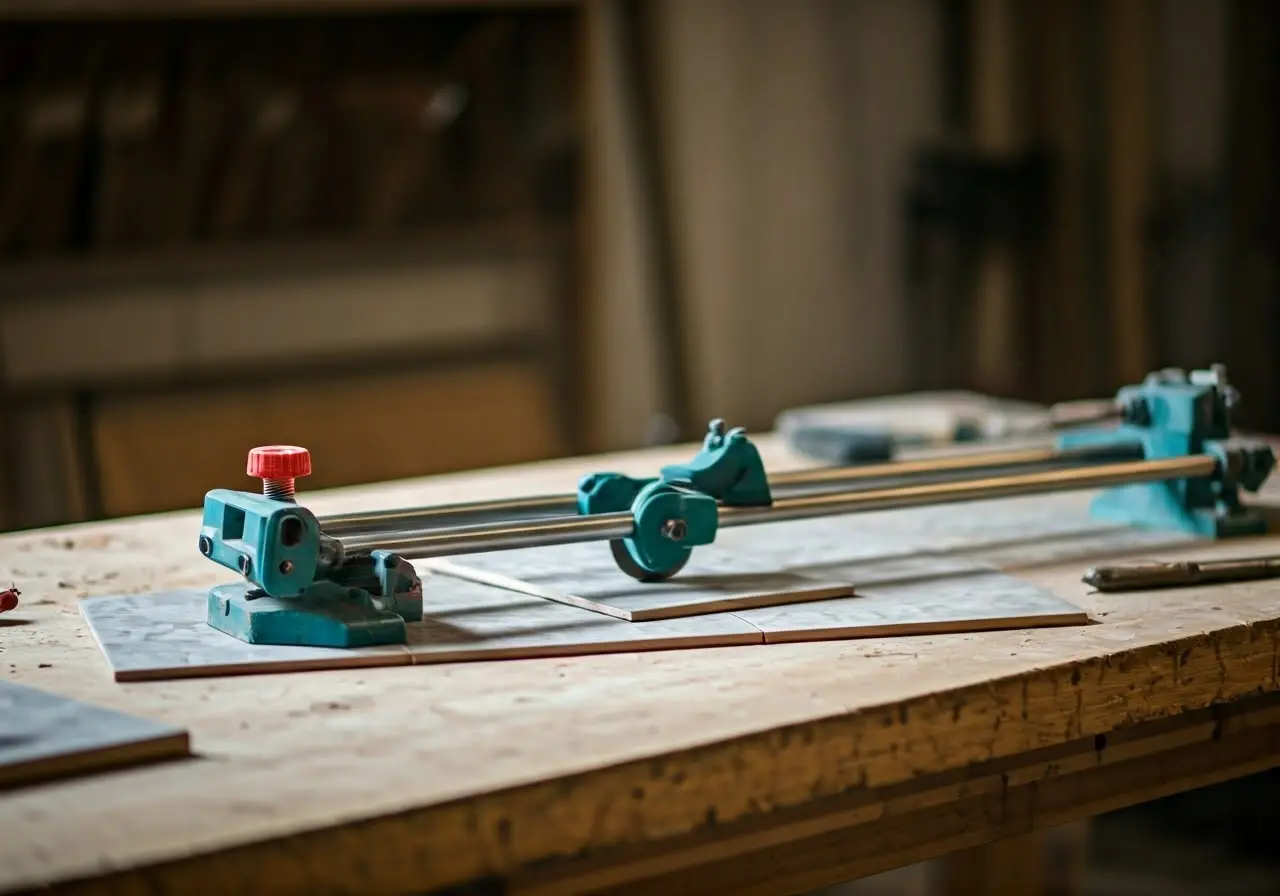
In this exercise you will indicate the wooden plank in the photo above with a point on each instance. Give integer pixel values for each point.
(1009, 867)
(1129, 122)
(997, 129)
(1069, 285)
(45, 474)
(44, 736)
(872, 830)
(359, 429)
(516, 764)
(204, 312)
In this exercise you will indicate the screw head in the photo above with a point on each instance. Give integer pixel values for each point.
(279, 462)
(286, 566)
(245, 564)
(676, 530)
(206, 545)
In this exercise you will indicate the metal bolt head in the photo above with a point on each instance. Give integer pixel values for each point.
(286, 566)
(245, 564)
(1136, 411)
(206, 545)
(676, 530)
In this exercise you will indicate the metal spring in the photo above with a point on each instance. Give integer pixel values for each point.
(278, 489)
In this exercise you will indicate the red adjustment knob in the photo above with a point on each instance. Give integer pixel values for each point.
(9, 600)
(279, 462)
(277, 466)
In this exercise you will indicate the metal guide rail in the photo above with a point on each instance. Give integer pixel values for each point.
(346, 580)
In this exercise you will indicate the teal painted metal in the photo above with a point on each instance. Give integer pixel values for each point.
(1176, 414)
(326, 616)
(298, 590)
(609, 492)
(728, 469)
(676, 511)
(274, 544)
(670, 523)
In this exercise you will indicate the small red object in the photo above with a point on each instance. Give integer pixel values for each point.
(9, 599)
(279, 462)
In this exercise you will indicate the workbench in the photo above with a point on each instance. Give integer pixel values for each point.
(747, 769)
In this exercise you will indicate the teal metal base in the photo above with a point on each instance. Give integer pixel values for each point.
(327, 616)
(1155, 506)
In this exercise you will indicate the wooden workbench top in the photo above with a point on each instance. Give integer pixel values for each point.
(421, 777)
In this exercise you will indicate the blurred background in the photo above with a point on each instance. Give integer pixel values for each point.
(421, 236)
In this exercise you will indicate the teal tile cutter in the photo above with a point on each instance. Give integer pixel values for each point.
(1172, 462)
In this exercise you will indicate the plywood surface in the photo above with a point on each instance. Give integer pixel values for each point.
(45, 736)
(412, 777)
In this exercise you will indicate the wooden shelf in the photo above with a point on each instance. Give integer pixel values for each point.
(231, 311)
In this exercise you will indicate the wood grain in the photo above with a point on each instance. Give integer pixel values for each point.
(487, 769)
(867, 831)
(44, 736)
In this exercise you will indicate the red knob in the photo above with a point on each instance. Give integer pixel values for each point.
(8, 600)
(279, 462)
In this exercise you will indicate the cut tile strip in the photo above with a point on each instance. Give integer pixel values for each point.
(716, 580)
(473, 621)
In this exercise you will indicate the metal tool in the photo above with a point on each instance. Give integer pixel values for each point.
(1144, 576)
(346, 580)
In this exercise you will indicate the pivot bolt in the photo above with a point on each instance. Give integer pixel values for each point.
(1136, 411)
(278, 466)
(675, 530)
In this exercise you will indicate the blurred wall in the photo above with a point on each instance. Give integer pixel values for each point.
(781, 134)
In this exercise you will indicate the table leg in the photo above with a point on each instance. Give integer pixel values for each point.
(1043, 863)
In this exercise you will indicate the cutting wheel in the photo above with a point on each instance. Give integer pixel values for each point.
(627, 564)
